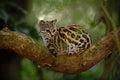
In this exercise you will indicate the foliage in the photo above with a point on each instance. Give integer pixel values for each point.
(28, 70)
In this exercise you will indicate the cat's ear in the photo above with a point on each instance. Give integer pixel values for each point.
(54, 21)
(41, 23)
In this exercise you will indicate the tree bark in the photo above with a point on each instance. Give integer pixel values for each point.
(31, 49)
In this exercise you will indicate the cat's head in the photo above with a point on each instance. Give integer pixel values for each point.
(48, 28)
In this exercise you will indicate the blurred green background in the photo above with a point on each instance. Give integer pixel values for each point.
(23, 16)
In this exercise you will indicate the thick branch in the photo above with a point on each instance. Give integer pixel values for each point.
(29, 48)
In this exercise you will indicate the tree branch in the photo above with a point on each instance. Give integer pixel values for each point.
(29, 48)
(113, 24)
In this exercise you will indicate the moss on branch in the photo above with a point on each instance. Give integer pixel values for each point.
(29, 48)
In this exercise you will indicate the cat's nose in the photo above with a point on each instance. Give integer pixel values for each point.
(52, 35)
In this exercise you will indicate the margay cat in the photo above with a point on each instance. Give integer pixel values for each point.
(70, 39)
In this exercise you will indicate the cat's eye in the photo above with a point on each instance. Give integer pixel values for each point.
(53, 30)
(47, 30)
